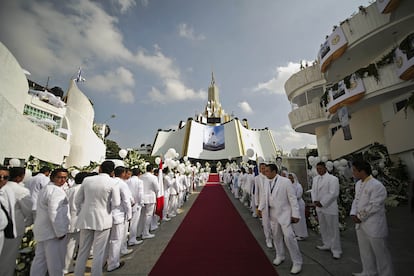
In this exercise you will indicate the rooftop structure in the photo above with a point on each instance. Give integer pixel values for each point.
(215, 135)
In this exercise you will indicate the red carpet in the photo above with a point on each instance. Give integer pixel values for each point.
(213, 240)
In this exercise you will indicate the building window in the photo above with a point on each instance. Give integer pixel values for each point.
(42, 118)
(334, 130)
(400, 105)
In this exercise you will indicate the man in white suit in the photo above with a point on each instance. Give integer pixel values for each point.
(260, 197)
(23, 218)
(7, 201)
(151, 189)
(137, 190)
(120, 215)
(96, 198)
(368, 213)
(280, 200)
(51, 226)
(36, 183)
(325, 192)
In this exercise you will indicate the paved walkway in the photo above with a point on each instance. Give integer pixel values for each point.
(316, 263)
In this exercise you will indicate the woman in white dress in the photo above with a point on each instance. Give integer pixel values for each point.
(300, 228)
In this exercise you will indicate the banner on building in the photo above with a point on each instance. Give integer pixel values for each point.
(213, 138)
(344, 120)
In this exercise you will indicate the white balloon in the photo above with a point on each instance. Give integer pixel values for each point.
(245, 158)
(14, 162)
(324, 159)
(374, 172)
(317, 160)
(74, 173)
(123, 153)
(157, 160)
(185, 158)
(250, 152)
(336, 164)
(311, 160)
(343, 162)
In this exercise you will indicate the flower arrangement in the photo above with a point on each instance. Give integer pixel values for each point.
(393, 176)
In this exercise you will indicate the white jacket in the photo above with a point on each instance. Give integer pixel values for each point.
(52, 214)
(96, 198)
(281, 201)
(369, 207)
(23, 215)
(151, 187)
(325, 189)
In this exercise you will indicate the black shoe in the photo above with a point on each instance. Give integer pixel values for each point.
(121, 264)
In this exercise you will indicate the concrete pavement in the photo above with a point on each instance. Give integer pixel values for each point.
(316, 262)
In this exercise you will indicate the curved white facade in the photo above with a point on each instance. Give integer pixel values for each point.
(71, 138)
(374, 36)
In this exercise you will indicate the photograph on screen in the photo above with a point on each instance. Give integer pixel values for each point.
(213, 138)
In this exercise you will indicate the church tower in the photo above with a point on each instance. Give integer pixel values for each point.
(214, 112)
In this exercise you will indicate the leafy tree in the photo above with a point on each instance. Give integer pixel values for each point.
(112, 149)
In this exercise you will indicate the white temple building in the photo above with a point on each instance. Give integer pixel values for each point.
(215, 135)
(36, 123)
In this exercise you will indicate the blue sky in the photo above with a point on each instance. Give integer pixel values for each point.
(149, 62)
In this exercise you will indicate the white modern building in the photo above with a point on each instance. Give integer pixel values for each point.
(356, 92)
(215, 135)
(38, 124)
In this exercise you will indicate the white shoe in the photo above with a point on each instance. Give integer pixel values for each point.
(323, 247)
(149, 236)
(336, 256)
(127, 252)
(135, 242)
(269, 244)
(278, 260)
(296, 268)
(166, 219)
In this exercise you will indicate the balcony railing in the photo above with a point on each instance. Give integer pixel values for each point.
(310, 113)
(305, 79)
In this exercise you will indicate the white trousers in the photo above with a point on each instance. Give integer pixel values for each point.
(329, 227)
(133, 225)
(173, 205)
(300, 228)
(266, 225)
(166, 203)
(114, 245)
(285, 233)
(73, 243)
(9, 254)
(89, 238)
(375, 256)
(49, 258)
(145, 220)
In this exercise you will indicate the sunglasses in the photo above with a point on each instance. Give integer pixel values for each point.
(4, 177)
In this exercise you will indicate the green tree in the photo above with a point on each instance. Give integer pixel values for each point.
(112, 149)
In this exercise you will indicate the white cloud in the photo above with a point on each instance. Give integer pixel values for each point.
(245, 107)
(175, 90)
(276, 85)
(290, 139)
(126, 4)
(157, 63)
(188, 32)
(116, 83)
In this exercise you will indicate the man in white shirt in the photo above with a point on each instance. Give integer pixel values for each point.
(7, 201)
(36, 183)
(120, 215)
(280, 200)
(96, 198)
(325, 192)
(51, 226)
(136, 187)
(151, 189)
(368, 213)
(23, 218)
(260, 196)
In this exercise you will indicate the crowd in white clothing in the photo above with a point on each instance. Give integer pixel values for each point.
(88, 215)
(275, 196)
